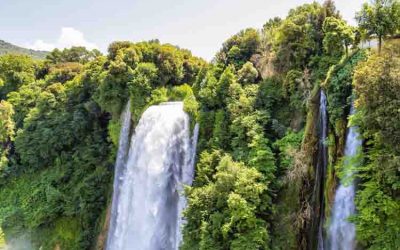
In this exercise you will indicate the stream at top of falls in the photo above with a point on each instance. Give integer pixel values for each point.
(148, 197)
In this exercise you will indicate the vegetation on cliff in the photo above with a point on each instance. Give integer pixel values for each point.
(377, 87)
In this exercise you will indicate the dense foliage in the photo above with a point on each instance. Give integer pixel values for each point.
(377, 86)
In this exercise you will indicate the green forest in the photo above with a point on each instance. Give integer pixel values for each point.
(257, 104)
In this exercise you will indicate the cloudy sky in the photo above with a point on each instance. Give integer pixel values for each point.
(200, 26)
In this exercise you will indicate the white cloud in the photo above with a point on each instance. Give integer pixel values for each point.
(69, 37)
(41, 45)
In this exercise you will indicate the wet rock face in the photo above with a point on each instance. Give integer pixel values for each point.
(316, 237)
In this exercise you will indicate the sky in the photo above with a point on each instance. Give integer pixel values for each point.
(199, 25)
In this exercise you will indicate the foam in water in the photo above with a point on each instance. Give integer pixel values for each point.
(147, 211)
(341, 232)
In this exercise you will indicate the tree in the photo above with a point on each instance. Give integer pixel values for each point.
(330, 9)
(337, 32)
(6, 131)
(380, 18)
(73, 54)
(268, 32)
(299, 37)
(223, 214)
(247, 74)
(15, 70)
(143, 81)
(6, 121)
(238, 49)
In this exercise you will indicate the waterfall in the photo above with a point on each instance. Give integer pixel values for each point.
(187, 179)
(147, 212)
(320, 173)
(123, 146)
(341, 232)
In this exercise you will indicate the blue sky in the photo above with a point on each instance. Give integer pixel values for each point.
(200, 26)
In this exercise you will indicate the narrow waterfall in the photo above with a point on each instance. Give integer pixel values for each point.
(341, 232)
(320, 173)
(122, 153)
(147, 212)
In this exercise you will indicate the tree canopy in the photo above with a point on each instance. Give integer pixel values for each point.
(380, 18)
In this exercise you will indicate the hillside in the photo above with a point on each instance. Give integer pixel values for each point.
(6, 48)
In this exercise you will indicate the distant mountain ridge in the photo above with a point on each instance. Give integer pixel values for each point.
(8, 48)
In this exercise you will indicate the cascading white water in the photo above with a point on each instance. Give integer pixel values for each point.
(341, 232)
(322, 163)
(123, 147)
(147, 210)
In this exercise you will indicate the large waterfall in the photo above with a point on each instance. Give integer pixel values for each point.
(341, 232)
(148, 191)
